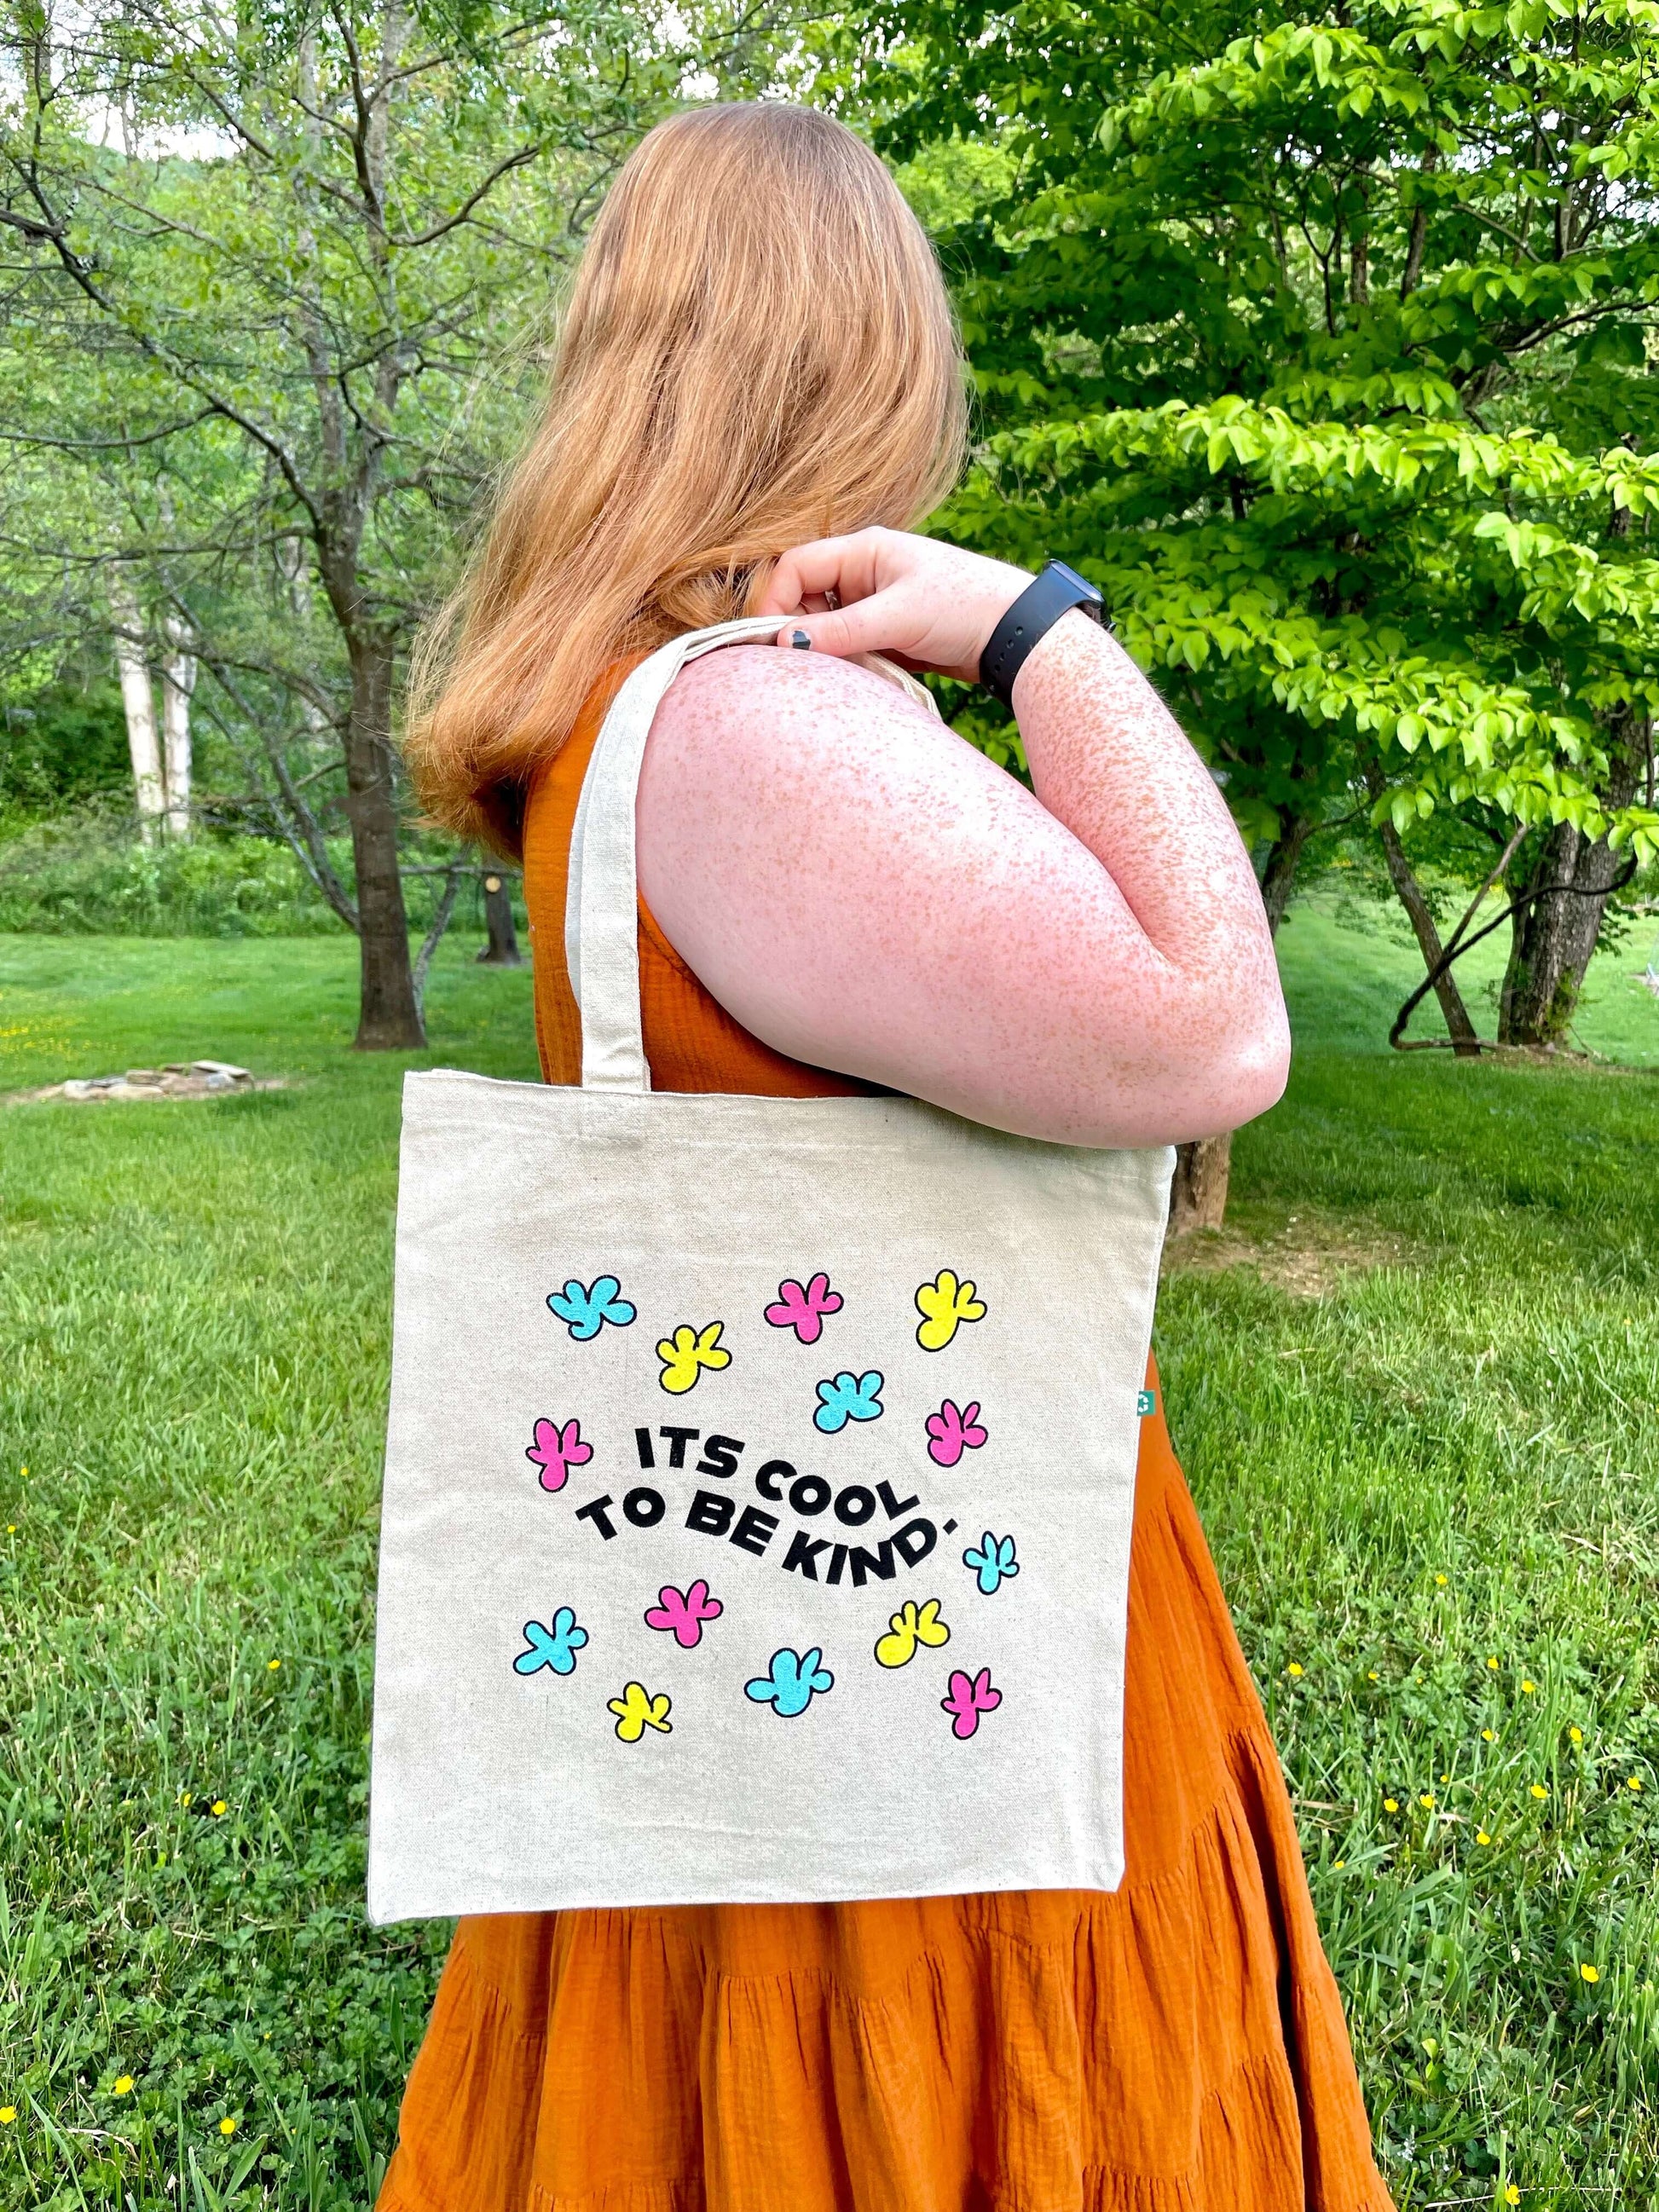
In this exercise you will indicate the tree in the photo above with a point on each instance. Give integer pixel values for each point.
(1320, 343)
(275, 314)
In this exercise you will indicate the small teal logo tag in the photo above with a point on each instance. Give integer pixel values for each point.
(1147, 1403)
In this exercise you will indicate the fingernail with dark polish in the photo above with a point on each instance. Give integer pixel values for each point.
(801, 642)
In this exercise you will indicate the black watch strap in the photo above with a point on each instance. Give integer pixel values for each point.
(1032, 616)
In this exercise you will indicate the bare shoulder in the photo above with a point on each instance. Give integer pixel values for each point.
(747, 706)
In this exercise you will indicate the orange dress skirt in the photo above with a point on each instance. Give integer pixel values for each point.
(1175, 2045)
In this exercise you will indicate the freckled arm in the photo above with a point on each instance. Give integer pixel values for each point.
(866, 892)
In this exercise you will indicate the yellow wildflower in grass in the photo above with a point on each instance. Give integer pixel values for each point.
(1440, 1582)
(1635, 1782)
(124, 2085)
(1492, 1665)
(1341, 1865)
(1426, 1801)
(1445, 1777)
(8, 2114)
(1481, 1837)
(1373, 1676)
(1390, 1804)
(1576, 1735)
(1539, 1791)
(1511, 2195)
(1293, 1669)
(1589, 1973)
(227, 2126)
(220, 1808)
(1488, 1735)
(1528, 1688)
(184, 1796)
(271, 1665)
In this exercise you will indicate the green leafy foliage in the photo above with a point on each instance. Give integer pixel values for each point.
(63, 742)
(1323, 347)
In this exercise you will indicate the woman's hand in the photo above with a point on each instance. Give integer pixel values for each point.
(924, 604)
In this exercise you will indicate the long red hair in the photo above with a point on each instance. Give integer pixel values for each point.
(757, 350)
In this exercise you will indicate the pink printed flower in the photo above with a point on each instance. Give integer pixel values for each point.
(954, 1428)
(804, 1310)
(969, 1699)
(684, 1613)
(557, 1450)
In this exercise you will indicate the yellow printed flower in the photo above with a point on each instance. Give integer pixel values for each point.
(1539, 1791)
(227, 2126)
(1589, 1973)
(636, 1709)
(687, 1352)
(944, 1304)
(124, 2085)
(910, 1627)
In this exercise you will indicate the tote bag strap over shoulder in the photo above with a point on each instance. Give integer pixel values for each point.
(601, 924)
(601, 912)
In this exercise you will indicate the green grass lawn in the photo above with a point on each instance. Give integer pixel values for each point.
(1432, 1489)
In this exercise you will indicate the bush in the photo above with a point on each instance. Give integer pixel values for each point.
(86, 874)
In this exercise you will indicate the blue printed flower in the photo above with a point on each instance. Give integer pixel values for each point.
(848, 1398)
(556, 1647)
(795, 1679)
(587, 1309)
(994, 1563)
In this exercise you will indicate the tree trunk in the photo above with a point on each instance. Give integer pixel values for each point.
(502, 949)
(1279, 877)
(178, 681)
(1555, 935)
(1198, 1196)
(1465, 1038)
(139, 701)
(389, 1019)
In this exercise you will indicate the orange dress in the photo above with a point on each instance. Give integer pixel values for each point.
(1176, 2045)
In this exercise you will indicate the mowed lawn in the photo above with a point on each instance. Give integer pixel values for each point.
(1415, 1385)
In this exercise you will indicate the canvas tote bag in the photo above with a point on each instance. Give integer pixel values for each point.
(759, 1473)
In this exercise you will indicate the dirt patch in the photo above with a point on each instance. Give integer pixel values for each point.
(1307, 1254)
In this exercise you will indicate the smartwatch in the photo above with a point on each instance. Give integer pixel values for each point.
(1032, 616)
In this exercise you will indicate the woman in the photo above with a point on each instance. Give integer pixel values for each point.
(757, 393)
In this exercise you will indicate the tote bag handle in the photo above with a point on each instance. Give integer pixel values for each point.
(601, 912)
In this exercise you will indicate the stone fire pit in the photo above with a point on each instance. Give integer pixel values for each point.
(179, 1079)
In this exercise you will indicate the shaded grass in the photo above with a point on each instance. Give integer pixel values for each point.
(193, 1323)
